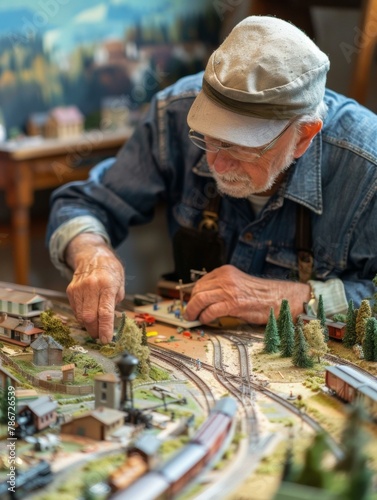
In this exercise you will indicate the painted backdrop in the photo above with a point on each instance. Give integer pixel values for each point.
(56, 52)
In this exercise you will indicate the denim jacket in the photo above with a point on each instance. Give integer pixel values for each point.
(336, 179)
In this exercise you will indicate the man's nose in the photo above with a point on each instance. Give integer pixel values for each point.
(224, 162)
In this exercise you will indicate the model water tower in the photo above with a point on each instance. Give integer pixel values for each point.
(127, 365)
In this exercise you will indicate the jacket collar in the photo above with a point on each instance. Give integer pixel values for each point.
(304, 185)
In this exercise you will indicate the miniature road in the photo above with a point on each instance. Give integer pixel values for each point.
(107, 364)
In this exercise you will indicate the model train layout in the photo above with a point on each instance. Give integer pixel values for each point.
(236, 393)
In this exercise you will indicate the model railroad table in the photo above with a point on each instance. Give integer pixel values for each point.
(33, 164)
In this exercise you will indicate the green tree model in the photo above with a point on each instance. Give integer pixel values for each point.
(314, 337)
(370, 340)
(374, 307)
(287, 336)
(120, 329)
(4, 405)
(322, 318)
(313, 472)
(53, 326)
(284, 307)
(354, 463)
(144, 340)
(130, 339)
(271, 336)
(363, 314)
(349, 339)
(300, 356)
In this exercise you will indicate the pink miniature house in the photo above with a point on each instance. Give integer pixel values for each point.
(64, 121)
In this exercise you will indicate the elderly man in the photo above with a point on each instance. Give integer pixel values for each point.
(269, 180)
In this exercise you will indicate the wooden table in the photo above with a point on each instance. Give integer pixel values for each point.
(32, 164)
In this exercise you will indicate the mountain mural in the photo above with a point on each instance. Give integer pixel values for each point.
(55, 52)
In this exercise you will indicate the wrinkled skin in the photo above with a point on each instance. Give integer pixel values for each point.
(97, 284)
(227, 291)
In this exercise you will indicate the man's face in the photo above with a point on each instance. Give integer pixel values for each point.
(240, 179)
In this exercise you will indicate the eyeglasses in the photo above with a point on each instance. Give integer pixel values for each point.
(242, 153)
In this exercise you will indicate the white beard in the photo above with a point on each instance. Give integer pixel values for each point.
(241, 185)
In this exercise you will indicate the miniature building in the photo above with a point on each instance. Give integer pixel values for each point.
(115, 113)
(46, 351)
(6, 378)
(38, 414)
(68, 372)
(36, 123)
(18, 330)
(107, 391)
(21, 303)
(98, 424)
(64, 121)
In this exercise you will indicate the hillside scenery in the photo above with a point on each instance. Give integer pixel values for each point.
(55, 52)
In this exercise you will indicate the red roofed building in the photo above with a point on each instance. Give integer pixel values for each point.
(18, 331)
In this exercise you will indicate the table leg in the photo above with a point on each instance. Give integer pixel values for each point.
(19, 198)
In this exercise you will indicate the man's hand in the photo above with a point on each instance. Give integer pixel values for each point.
(97, 284)
(227, 291)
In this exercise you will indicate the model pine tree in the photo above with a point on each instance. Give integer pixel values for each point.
(354, 463)
(4, 404)
(370, 340)
(349, 339)
(122, 323)
(287, 337)
(284, 307)
(363, 314)
(301, 357)
(374, 307)
(144, 340)
(313, 472)
(271, 336)
(289, 467)
(322, 318)
(314, 337)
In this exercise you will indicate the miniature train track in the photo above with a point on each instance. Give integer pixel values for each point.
(252, 386)
(209, 397)
(234, 384)
(238, 386)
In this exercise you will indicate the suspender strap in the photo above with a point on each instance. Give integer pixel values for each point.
(304, 245)
(210, 215)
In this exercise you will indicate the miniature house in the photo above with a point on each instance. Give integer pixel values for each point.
(68, 372)
(115, 113)
(36, 123)
(64, 121)
(18, 331)
(46, 351)
(36, 415)
(98, 424)
(107, 391)
(21, 303)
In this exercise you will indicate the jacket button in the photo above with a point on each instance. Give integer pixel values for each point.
(248, 237)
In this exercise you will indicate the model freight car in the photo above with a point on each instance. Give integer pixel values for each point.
(336, 329)
(352, 386)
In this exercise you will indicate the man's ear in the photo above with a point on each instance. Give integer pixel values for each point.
(307, 132)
